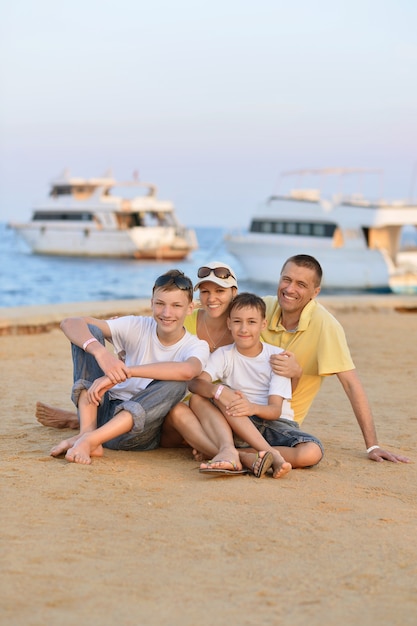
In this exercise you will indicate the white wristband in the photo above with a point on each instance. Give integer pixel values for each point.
(368, 450)
(87, 343)
(218, 392)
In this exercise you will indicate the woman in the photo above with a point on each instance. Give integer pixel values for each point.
(217, 287)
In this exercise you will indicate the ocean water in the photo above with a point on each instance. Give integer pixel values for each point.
(31, 279)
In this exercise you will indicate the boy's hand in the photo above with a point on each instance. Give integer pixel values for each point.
(113, 367)
(239, 406)
(97, 389)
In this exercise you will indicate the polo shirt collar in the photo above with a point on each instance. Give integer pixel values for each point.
(305, 318)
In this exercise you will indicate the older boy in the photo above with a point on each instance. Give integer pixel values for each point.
(128, 400)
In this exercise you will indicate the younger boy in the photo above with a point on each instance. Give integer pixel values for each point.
(253, 400)
(128, 400)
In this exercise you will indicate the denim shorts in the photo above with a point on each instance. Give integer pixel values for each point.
(280, 432)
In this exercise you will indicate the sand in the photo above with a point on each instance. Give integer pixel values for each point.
(144, 539)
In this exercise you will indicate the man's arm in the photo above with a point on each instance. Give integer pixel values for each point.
(285, 364)
(360, 405)
(77, 331)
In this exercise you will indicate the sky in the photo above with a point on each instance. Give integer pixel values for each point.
(210, 100)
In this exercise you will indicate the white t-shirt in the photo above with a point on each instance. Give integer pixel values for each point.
(136, 335)
(251, 375)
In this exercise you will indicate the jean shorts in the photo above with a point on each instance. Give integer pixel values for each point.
(280, 432)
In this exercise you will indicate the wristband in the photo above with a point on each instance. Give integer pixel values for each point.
(368, 450)
(87, 343)
(218, 392)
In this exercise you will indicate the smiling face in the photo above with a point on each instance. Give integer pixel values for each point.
(297, 286)
(169, 309)
(246, 324)
(214, 299)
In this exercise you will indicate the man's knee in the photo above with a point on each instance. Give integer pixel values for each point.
(310, 454)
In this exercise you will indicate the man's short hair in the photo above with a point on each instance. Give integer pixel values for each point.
(305, 260)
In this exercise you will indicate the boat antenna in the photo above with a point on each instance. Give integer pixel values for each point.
(413, 181)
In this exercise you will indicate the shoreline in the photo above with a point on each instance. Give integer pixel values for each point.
(44, 318)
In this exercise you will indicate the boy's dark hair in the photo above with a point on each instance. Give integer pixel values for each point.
(174, 279)
(251, 300)
(305, 260)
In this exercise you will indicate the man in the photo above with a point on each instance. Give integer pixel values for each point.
(317, 347)
(122, 403)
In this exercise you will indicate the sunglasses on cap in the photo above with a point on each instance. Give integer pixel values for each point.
(219, 272)
(180, 281)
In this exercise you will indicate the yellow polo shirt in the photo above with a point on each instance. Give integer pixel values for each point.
(190, 322)
(319, 345)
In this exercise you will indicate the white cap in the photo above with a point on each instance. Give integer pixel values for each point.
(212, 278)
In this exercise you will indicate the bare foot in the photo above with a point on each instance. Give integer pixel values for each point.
(261, 462)
(258, 463)
(55, 417)
(64, 445)
(82, 451)
(227, 458)
(280, 466)
(199, 457)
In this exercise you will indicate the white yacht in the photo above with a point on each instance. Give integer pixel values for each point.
(356, 241)
(101, 217)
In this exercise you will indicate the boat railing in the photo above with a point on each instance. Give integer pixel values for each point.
(153, 190)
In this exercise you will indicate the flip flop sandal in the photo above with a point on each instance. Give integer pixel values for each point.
(266, 462)
(219, 470)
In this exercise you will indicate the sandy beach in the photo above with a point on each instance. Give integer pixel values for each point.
(144, 539)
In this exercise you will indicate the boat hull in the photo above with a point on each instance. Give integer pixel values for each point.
(140, 243)
(262, 258)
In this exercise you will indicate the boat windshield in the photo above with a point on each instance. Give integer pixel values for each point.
(291, 227)
(63, 216)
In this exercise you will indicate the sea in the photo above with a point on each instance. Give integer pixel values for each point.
(32, 279)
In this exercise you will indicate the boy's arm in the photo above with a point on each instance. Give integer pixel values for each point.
(242, 407)
(203, 386)
(168, 370)
(77, 331)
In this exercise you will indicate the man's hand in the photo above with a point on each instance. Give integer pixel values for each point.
(380, 455)
(285, 364)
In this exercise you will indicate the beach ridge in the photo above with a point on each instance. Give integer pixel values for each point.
(43, 318)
